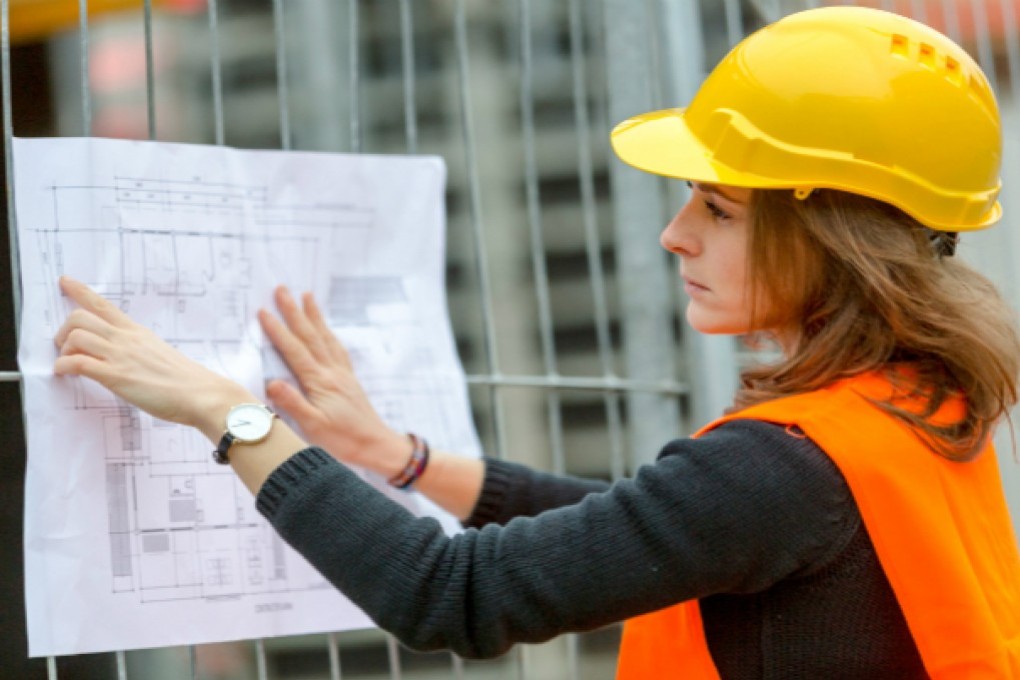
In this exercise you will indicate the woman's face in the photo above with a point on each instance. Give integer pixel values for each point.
(710, 234)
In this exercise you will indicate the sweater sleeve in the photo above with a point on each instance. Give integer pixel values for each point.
(512, 490)
(735, 511)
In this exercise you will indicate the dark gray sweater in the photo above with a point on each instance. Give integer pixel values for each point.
(756, 522)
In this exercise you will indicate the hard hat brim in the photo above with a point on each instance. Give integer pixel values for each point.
(661, 143)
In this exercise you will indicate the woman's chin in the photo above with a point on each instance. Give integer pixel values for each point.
(711, 324)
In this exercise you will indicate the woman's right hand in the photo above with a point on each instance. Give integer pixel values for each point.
(99, 341)
(331, 408)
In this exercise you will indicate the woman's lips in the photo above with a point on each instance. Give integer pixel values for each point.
(692, 287)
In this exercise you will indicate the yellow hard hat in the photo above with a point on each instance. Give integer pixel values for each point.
(846, 98)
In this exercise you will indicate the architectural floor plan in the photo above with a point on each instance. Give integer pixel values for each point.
(134, 536)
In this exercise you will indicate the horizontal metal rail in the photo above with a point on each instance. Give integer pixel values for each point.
(552, 382)
(603, 384)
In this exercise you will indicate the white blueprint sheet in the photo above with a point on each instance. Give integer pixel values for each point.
(134, 537)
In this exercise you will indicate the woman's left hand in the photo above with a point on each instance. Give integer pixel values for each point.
(101, 342)
(331, 407)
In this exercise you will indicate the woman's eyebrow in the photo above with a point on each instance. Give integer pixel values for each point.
(713, 189)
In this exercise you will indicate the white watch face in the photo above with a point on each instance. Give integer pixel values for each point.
(249, 422)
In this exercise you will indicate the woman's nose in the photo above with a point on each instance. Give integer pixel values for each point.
(677, 237)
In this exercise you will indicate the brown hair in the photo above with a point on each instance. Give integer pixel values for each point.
(858, 285)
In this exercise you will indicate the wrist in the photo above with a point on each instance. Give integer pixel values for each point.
(211, 416)
(386, 454)
(415, 466)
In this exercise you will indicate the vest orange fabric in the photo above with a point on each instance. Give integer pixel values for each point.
(941, 531)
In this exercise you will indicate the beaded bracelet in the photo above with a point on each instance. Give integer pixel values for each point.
(415, 464)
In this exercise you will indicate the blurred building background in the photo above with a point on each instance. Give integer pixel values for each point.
(568, 316)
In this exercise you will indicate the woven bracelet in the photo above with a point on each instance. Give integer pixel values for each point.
(415, 464)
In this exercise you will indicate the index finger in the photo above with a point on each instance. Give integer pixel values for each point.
(293, 350)
(299, 324)
(333, 344)
(93, 302)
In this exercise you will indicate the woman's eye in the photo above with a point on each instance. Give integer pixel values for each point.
(716, 211)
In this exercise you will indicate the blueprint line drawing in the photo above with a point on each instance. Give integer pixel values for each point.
(163, 545)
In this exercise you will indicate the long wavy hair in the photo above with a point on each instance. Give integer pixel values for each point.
(858, 285)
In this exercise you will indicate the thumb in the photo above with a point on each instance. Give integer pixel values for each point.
(291, 401)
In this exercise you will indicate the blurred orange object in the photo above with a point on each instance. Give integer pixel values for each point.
(32, 20)
(956, 18)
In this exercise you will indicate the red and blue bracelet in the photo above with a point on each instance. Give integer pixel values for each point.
(415, 465)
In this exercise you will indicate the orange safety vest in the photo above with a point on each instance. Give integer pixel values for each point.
(940, 528)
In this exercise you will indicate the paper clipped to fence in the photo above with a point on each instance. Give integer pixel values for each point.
(134, 537)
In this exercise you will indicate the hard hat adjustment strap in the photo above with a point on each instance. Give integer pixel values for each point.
(802, 193)
(944, 242)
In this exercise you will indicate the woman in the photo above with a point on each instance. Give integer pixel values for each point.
(845, 520)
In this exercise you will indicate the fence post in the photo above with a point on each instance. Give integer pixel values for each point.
(646, 307)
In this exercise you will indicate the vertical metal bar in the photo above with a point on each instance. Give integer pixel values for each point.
(217, 75)
(540, 274)
(1012, 49)
(281, 74)
(193, 660)
(950, 8)
(680, 23)
(734, 22)
(334, 657)
(51, 668)
(642, 275)
(317, 58)
(523, 652)
(573, 657)
(407, 53)
(8, 132)
(652, 35)
(986, 56)
(918, 11)
(411, 130)
(458, 667)
(150, 71)
(393, 655)
(121, 665)
(711, 360)
(1010, 171)
(12, 223)
(593, 246)
(352, 45)
(215, 65)
(474, 190)
(999, 243)
(86, 92)
(260, 659)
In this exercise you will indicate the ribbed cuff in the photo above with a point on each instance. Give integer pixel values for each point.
(289, 475)
(493, 496)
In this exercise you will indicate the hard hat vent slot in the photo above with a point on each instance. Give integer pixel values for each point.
(953, 72)
(900, 45)
(929, 58)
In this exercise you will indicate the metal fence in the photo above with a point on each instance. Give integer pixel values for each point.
(564, 305)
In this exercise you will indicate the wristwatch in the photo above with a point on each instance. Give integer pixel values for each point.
(246, 424)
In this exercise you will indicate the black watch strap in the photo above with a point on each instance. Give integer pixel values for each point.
(220, 454)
